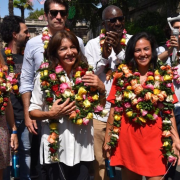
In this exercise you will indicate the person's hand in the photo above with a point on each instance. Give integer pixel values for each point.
(173, 41)
(65, 108)
(176, 149)
(31, 125)
(14, 142)
(106, 150)
(93, 81)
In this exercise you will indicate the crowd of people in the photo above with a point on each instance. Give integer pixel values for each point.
(116, 98)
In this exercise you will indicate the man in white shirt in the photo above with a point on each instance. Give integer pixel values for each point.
(112, 53)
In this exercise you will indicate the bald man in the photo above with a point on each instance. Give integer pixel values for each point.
(112, 54)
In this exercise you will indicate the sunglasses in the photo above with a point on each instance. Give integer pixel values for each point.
(54, 13)
(113, 20)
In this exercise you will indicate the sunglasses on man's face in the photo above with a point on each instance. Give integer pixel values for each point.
(54, 13)
(113, 20)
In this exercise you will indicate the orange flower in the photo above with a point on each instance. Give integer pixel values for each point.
(166, 133)
(50, 140)
(169, 71)
(147, 96)
(164, 93)
(54, 136)
(129, 87)
(154, 98)
(163, 67)
(138, 88)
(5, 68)
(117, 75)
(168, 66)
(115, 129)
(128, 74)
(9, 58)
(133, 82)
(161, 97)
(72, 115)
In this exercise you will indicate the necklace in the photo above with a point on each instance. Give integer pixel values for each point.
(142, 103)
(55, 85)
(5, 88)
(13, 77)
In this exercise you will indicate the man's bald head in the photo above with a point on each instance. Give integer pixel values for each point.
(110, 10)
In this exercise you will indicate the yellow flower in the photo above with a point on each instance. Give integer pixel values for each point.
(15, 87)
(103, 31)
(78, 74)
(142, 119)
(95, 97)
(166, 143)
(89, 116)
(78, 98)
(137, 106)
(1, 100)
(8, 51)
(156, 91)
(117, 117)
(129, 87)
(45, 72)
(82, 91)
(53, 126)
(156, 72)
(126, 94)
(1, 74)
(150, 78)
(167, 78)
(79, 121)
(129, 113)
(87, 103)
(41, 73)
(120, 66)
(45, 46)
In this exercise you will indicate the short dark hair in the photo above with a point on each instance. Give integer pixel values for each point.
(9, 25)
(48, 2)
(54, 44)
(129, 54)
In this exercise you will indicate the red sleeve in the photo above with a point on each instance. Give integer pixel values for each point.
(111, 97)
(174, 95)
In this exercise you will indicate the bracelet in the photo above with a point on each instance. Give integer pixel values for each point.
(14, 132)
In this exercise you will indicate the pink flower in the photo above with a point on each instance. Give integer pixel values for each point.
(44, 65)
(58, 69)
(124, 36)
(84, 96)
(176, 76)
(2, 88)
(136, 74)
(124, 31)
(98, 108)
(174, 68)
(77, 111)
(118, 109)
(127, 105)
(155, 116)
(168, 85)
(149, 86)
(12, 75)
(45, 38)
(168, 43)
(85, 121)
(79, 68)
(102, 36)
(64, 86)
(143, 112)
(175, 72)
(140, 99)
(78, 80)
(9, 78)
(178, 80)
(53, 76)
(150, 73)
(14, 81)
(171, 159)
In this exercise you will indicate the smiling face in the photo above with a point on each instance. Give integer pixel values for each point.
(115, 25)
(143, 53)
(67, 53)
(56, 23)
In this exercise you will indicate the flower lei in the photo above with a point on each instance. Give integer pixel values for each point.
(108, 71)
(5, 88)
(56, 86)
(142, 103)
(13, 77)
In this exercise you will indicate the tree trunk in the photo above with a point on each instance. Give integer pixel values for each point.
(22, 12)
(10, 6)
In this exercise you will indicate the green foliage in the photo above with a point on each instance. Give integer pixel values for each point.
(151, 22)
(35, 14)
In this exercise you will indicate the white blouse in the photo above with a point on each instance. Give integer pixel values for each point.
(75, 142)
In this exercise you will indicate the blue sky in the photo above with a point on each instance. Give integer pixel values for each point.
(4, 8)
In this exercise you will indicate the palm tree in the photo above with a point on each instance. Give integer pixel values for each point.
(22, 5)
(10, 7)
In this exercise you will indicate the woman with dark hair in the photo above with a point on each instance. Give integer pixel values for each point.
(141, 118)
(64, 76)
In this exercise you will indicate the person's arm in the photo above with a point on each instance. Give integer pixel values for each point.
(109, 126)
(10, 119)
(30, 124)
